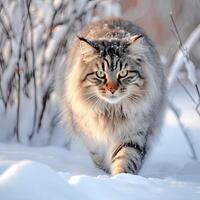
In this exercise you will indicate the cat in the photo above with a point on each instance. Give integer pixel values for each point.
(114, 94)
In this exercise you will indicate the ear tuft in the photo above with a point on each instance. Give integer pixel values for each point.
(135, 38)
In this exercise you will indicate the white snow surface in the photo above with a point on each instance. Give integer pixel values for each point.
(58, 173)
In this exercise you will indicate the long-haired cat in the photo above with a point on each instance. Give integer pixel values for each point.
(114, 94)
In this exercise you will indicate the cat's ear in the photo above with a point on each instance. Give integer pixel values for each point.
(136, 45)
(135, 40)
(88, 49)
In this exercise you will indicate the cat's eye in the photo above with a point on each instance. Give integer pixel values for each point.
(100, 74)
(123, 73)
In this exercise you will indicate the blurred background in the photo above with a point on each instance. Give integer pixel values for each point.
(35, 36)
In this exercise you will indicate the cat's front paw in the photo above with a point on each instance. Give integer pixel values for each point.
(127, 158)
(117, 170)
(123, 166)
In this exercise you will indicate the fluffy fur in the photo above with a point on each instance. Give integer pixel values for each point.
(116, 117)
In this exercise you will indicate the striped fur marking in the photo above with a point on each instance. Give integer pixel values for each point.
(140, 150)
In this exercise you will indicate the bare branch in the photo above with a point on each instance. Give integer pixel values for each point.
(25, 17)
(28, 4)
(184, 131)
(182, 57)
(179, 58)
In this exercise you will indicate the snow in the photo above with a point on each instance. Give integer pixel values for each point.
(50, 172)
(56, 173)
(40, 176)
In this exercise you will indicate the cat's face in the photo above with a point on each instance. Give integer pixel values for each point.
(112, 74)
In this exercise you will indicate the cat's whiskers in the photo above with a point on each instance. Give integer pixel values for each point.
(90, 98)
(134, 98)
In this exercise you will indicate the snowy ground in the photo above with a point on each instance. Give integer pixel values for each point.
(55, 173)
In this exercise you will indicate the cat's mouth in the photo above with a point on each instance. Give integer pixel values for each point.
(112, 99)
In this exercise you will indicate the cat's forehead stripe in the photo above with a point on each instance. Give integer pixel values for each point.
(110, 47)
(112, 63)
(107, 62)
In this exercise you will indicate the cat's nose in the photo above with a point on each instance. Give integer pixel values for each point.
(112, 87)
(112, 90)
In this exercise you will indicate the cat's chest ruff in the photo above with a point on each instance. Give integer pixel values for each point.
(107, 125)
